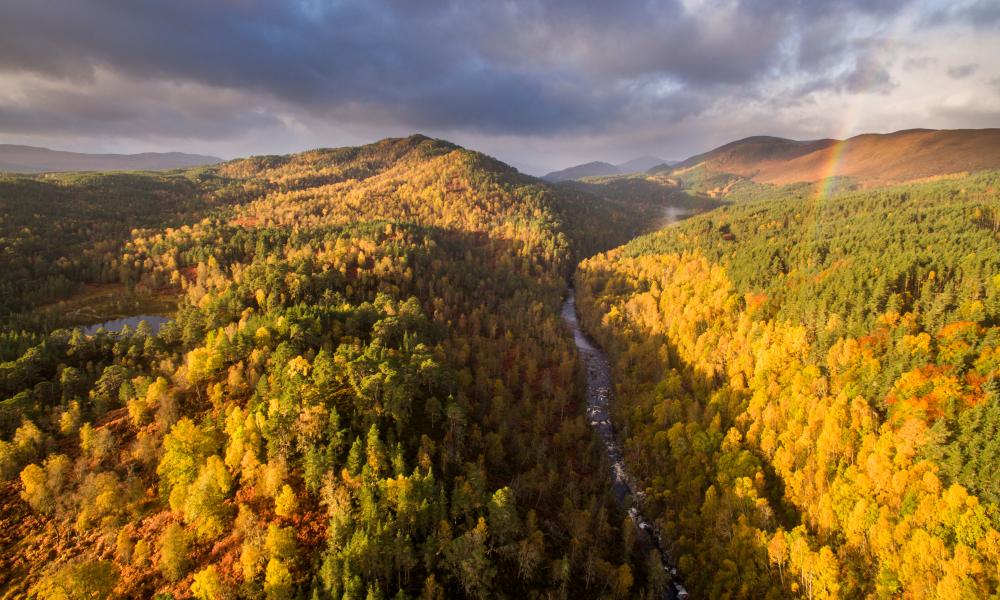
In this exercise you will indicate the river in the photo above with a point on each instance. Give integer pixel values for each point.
(600, 390)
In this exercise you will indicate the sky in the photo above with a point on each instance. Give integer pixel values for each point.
(540, 85)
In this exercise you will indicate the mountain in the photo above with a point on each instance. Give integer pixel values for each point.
(366, 387)
(743, 156)
(604, 169)
(31, 159)
(591, 169)
(822, 379)
(871, 159)
(641, 164)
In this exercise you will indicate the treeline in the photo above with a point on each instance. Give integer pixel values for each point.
(649, 193)
(808, 386)
(366, 393)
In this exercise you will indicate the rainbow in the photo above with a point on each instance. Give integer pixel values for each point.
(824, 188)
(869, 69)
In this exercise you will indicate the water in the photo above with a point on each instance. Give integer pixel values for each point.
(672, 214)
(599, 394)
(116, 325)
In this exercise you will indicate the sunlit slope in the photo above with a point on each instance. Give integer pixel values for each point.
(809, 388)
(871, 159)
(63, 234)
(366, 391)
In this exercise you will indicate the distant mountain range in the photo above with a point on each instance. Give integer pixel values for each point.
(869, 158)
(604, 169)
(31, 159)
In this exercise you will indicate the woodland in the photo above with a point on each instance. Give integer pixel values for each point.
(365, 390)
(808, 386)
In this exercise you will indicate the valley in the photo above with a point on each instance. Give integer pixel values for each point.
(626, 491)
(519, 300)
(365, 386)
(407, 370)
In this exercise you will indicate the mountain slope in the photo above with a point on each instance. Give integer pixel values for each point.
(591, 169)
(366, 390)
(641, 164)
(30, 159)
(871, 159)
(818, 378)
(604, 169)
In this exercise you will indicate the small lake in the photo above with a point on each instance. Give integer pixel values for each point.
(116, 325)
(672, 214)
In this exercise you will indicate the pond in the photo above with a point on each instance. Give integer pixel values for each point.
(116, 325)
(672, 214)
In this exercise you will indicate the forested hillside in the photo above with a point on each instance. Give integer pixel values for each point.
(646, 191)
(60, 232)
(809, 387)
(366, 391)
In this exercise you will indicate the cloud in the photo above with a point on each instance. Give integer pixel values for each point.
(240, 74)
(868, 75)
(919, 62)
(983, 14)
(111, 105)
(962, 71)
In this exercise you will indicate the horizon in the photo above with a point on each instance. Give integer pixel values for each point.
(539, 87)
(534, 174)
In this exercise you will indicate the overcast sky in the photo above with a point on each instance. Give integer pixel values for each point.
(541, 85)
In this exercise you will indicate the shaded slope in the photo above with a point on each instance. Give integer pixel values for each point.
(591, 169)
(643, 163)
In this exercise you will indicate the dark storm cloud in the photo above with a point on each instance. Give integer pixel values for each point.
(522, 67)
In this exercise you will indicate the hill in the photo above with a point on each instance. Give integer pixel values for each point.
(365, 390)
(810, 387)
(641, 164)
(652, 199)
(869, 159)
(30, 159)
(591, 169)
(604, 169)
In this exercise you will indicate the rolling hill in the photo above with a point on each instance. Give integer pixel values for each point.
(366, 388)
(31, 159)
(591, 169)
(641, 164)
(605, 169)
(819, 378)
(871, 159)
